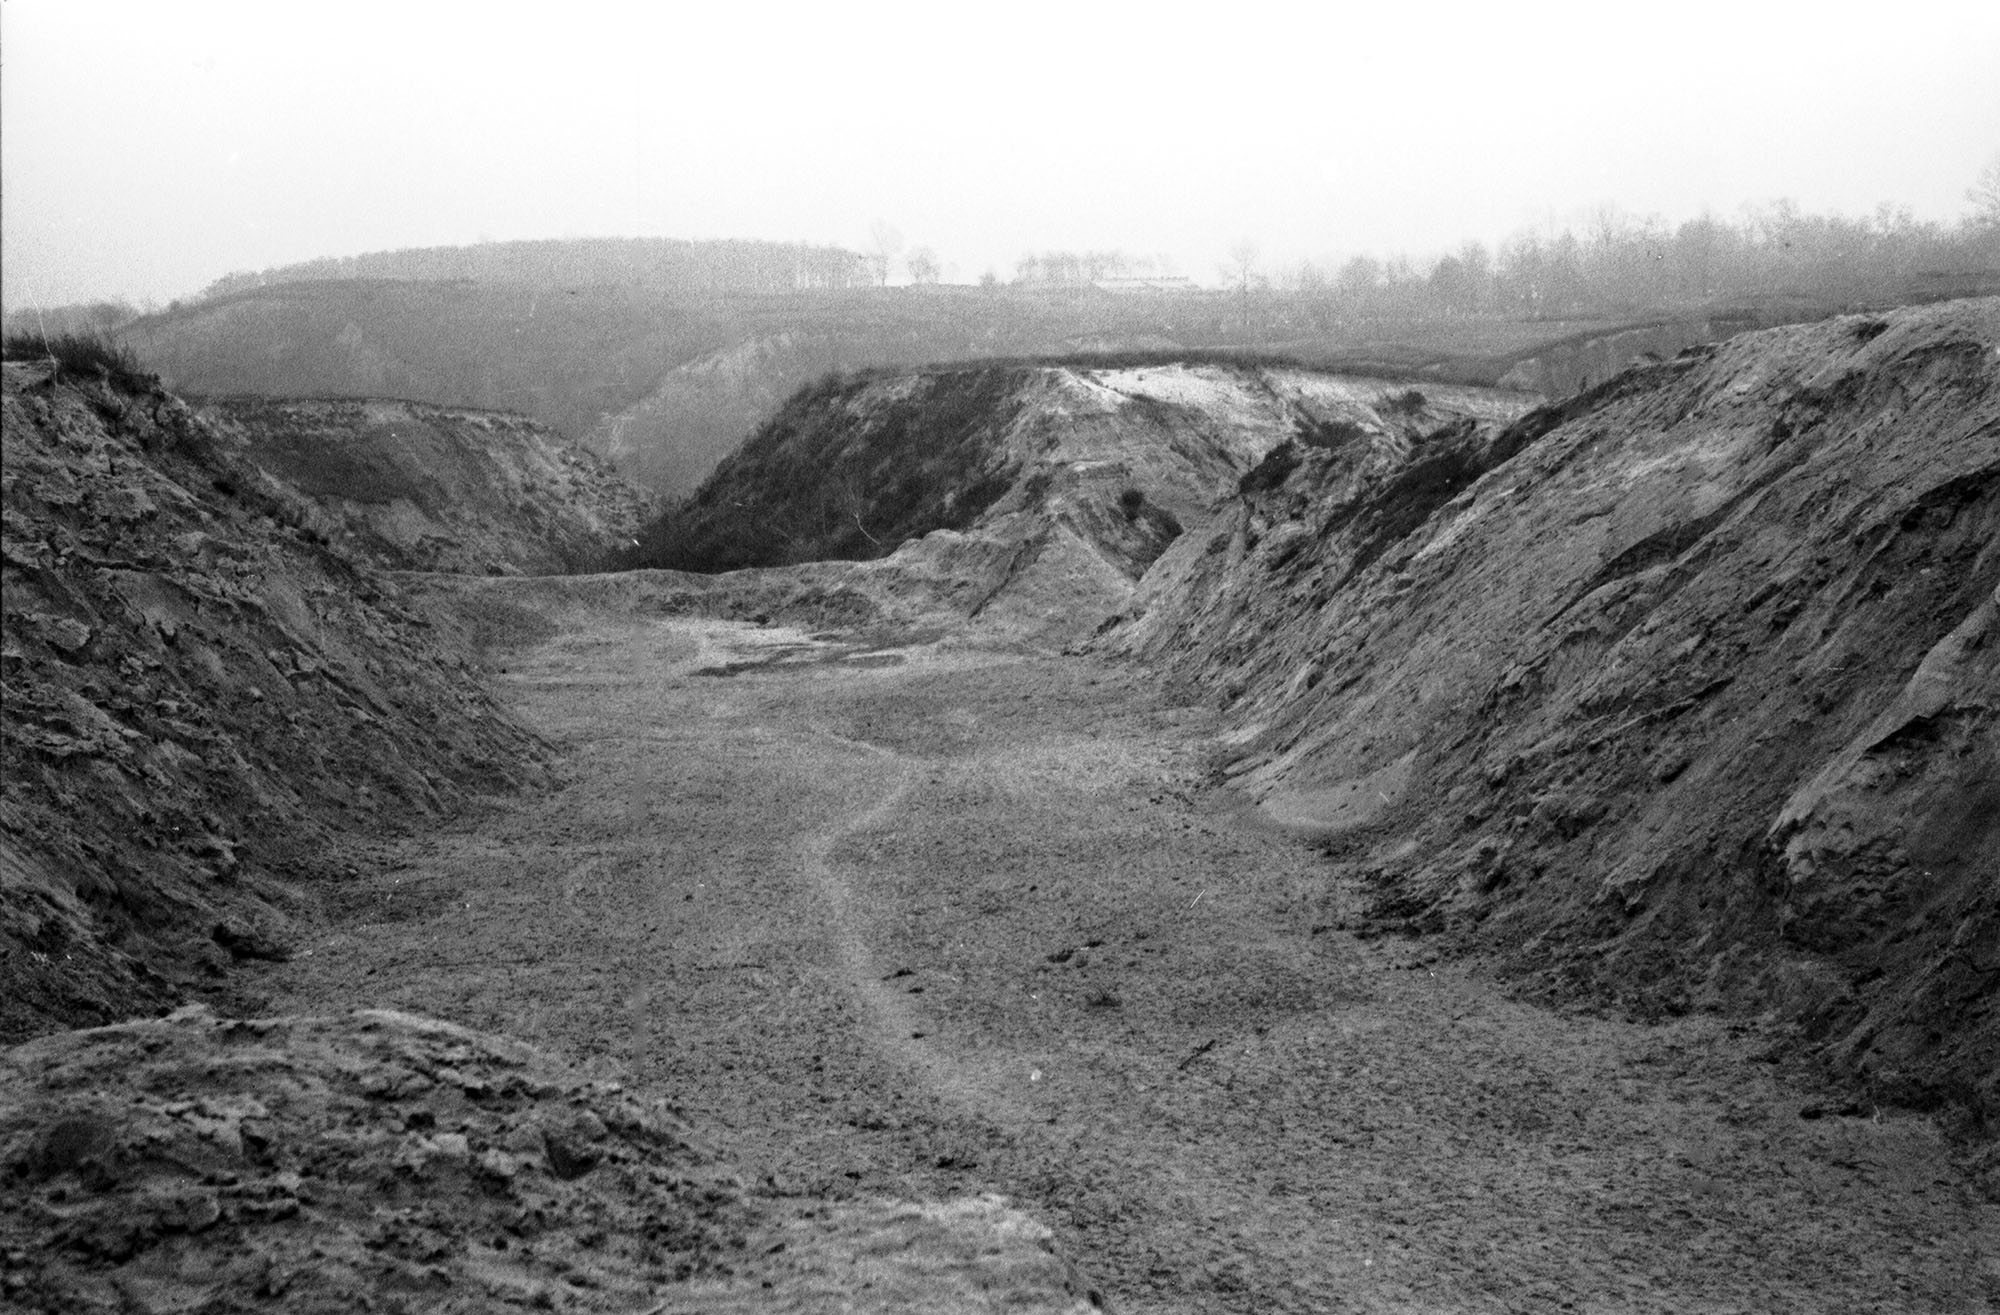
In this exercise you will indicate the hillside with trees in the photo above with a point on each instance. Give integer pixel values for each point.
(719, 267)
(662, 355)
(1617, 264)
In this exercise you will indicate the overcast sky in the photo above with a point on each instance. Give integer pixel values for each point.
(151, 147)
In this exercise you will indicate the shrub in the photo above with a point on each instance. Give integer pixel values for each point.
(1131, 501)
(1269, 473)
(80, 353)
(1408, 402)
(1329, 435)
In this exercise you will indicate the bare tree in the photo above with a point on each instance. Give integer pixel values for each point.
(923, 265)
(1242, 266)
(1985, 194)
(883, 244)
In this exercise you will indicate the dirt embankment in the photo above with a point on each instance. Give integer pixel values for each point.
(198, 694)
(1027, 497)
(417, 487)
(1681, 695)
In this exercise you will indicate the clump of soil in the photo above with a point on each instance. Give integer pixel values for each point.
(318, 1163)
(382, 1161)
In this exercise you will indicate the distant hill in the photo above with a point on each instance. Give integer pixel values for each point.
(661, 355)
(664, 386)
(714, 267)
(566, 357)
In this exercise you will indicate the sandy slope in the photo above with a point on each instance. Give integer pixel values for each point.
(941, 921)
(1683, 692)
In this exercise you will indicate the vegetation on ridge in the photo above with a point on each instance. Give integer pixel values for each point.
(80, 352)
(837, 482)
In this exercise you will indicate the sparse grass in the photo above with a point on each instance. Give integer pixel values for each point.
(80, 353)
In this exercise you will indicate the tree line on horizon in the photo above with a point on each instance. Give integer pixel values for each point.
(724, 266)
(1616, 264)
(1619, 264)
(1611, 265)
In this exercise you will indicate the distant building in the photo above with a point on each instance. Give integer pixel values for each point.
(1146, 283)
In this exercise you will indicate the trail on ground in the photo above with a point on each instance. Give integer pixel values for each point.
(949, 921)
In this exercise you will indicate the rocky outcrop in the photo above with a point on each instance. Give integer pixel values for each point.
(382, 1160)
(197, 693)
(1681, 694)
(417, 487)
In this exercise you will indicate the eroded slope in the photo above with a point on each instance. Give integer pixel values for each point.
(428, 488)
(1682, 694)
(197, 694)
(1030, 497)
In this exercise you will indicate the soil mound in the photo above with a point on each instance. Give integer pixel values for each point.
(428, 488)
(197, 694)
(1031, 498)
(385, 1161)
(1680, 694)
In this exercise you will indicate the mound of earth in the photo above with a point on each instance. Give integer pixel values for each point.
(1682, 694)
(1029, 497)
(198, 693)
(417, 487)
(381, 1161)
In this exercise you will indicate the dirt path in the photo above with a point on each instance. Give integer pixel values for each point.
(944, 921)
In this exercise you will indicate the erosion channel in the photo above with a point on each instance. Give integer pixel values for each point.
(930, 919)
